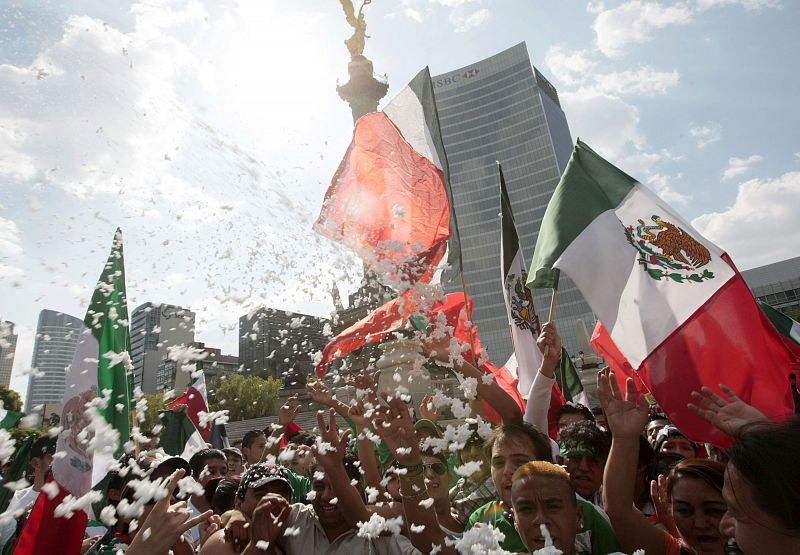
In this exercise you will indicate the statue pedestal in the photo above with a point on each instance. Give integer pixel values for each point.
(397, 366)
(363, 91)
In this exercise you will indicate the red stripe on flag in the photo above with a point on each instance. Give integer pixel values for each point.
(387, 202)
(728, 340)
(45, 533)
(195, 403)
(606, 348)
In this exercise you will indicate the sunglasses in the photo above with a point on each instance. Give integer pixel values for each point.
(437, 467)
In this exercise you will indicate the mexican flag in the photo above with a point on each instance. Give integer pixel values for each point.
(672, 302)
(8, 418)
(787, 327)
(96, 408)
(390, 200)
(185, 431)
(569, 382)
(522, 320)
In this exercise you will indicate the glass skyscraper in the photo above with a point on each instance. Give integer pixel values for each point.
(57, 336)
(502, 109)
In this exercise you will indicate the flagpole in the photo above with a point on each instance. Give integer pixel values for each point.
(551, 315)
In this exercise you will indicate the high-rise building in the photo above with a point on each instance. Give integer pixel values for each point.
(8, 347)
(57, 336)
(154, 329)
(777, 285)
(215, 367)
(280, 344)
(502, 109)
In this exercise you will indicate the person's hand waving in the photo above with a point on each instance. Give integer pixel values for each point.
(726, 415)
(627, 416)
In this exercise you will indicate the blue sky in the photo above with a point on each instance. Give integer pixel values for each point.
(209, 131)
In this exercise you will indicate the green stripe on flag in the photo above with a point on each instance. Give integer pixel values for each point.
(590, 186)
(785, 325)
(10, 420)
(567, 377)
(107, 318)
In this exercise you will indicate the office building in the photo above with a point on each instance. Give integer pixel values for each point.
(154, 329)
(502, 109)
(8, 347)
(57, 336)
(280, 344)
(215, 367)
(777, 285)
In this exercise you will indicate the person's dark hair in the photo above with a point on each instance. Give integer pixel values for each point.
(250, 437)
(711, 472)
(585, 436)
(351, 466)
(200, 459)
(224, 496)
(303, 438)
(523, 432)
(646, 453)
(766, 456)
(663, 463)
(575, 408)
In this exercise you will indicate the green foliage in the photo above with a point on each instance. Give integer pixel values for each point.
(19, 434)
(11, 399)
(246, 397)
(155, 404)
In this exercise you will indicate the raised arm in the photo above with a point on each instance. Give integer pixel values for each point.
(627, 418)
(728, 415)
(366, 449)
(538, 403)
(330, 451)
(286, 415)
(394, 425)
(489, 391)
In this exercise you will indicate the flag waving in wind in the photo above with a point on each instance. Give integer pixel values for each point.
(672, 303)
(97, 377)
(389, 200)
(522, 320)
(96, 408)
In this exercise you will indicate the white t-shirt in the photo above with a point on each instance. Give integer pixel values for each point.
(23, 499)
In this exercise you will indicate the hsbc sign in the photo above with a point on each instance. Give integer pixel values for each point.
(456, 77)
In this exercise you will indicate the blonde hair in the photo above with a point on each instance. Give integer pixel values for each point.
(540, 468)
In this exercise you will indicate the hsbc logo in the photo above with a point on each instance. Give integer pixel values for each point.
(450, 79)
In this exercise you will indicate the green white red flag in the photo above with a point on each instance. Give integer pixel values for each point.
(389, 200)
(673, 304)
(523, 324)
(95, 415)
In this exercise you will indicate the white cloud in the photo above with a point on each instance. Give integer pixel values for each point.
(748, 5)
(413, 14)
(761, 225)
(634, 22)
(641, 81)
(576, 68)
(463, 23)
(661, 185)
(10, 246)
(453, 3)
(705, 134)
(570, 68)
(606, 122)
(739, 166)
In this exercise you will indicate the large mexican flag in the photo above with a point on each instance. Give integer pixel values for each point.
(672, 302)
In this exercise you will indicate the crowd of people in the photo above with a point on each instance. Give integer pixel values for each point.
(390, 480)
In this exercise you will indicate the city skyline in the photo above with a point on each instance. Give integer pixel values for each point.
(209, 132)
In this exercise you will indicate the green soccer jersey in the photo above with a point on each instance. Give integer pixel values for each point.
(596, 537)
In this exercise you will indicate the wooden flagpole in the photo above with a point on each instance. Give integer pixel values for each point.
(551, 316)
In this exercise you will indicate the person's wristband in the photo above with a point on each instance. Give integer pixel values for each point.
(421, 493)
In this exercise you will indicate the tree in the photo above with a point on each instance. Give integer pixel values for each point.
(155, 405)
(18, 434)
(11, 399)
(246, 397)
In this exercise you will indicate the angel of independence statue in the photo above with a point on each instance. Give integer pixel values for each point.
(355, 44)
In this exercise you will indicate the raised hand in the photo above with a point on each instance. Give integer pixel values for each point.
(356, 413)
(627, 417)
(549, 344)
(395, 427)
(660, 498)
(427, 410)
(437, 348)
(726, 415)
(269, 517)
(288, 411)
(319, 393)
(166, 523)
(330, 448)
(365, 381)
